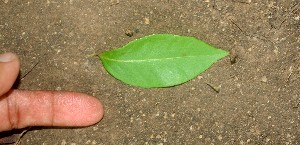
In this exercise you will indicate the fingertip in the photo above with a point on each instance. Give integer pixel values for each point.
(94, 110)
(49, 108)
(77, 109)
(97, 111)
(99, 116)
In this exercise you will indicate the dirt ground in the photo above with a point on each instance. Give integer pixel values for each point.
(259, 98)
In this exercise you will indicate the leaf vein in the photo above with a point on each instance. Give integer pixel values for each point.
(150, 60)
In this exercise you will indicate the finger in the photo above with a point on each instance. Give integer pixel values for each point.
(19, 109)
(9, 70)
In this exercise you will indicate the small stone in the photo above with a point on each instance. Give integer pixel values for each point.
(276, 51)
(146, 21)
(114, 2)
(152, 136)
(264, 79)
(95, 128)
(220, 137)
(165, 115)
(88, 142)
(129, 33)
(94, 142)
(191, 128)
(173, 115)
(158, 137)
(199, 77)
(157, 114)
(63, 142)
(131, 119)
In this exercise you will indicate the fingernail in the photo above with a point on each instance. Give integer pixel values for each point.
(7, 57)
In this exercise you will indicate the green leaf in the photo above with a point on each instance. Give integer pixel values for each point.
(160, 60)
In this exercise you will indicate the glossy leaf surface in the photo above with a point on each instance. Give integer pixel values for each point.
(160, 60)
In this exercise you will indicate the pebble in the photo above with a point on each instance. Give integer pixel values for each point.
(264, 79)
(63, 142)
(146, 21)
(95, 128)
(94, 142)
(199, 77)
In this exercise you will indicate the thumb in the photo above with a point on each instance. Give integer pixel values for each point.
(9, 70)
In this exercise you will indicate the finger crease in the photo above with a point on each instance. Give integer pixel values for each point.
(13, 112)
(9, 114)
(18, 114)
(52, 110)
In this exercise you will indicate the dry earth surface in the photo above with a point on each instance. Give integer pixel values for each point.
(259, 98)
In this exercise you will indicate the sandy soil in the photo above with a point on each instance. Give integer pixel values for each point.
(259, 98)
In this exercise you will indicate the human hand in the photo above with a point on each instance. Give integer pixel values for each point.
(19, 109)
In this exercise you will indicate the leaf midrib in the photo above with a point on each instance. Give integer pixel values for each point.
(153, 59)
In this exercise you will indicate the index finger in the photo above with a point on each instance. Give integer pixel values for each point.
(19, 109)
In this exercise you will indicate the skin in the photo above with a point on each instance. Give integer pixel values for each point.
(21, 108)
